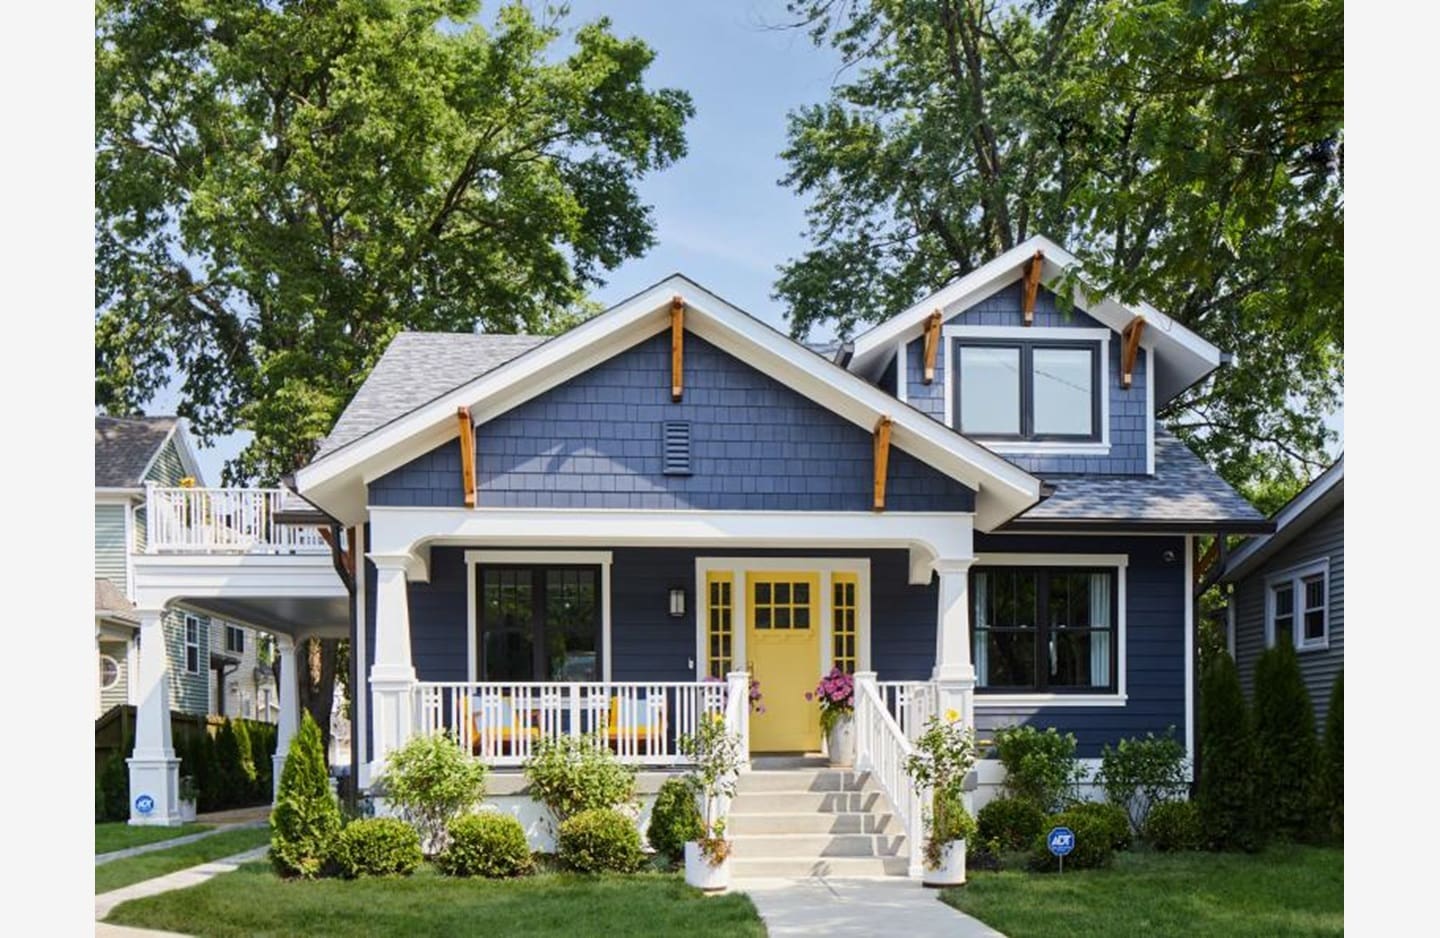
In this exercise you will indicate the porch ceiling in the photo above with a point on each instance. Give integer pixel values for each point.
(298, 617)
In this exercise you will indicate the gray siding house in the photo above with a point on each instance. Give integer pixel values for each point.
(1292, 583)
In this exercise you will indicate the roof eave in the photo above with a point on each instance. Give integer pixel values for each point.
(1162, 525)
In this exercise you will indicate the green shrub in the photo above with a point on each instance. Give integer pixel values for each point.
(1174, 825)
(569, 775)
(1040, 767)
(1285, 737)
(1094, 842)
(1140, 773)
(245, 760)
(1010, 823)
(378, 846)
(209, 775)
(948, 822)
(489, 844)
(1332, 762)
(234, 784)
(599, 840)
(1110, 817)
(675, 819)
(305, 819)
(1225, 794)
(262, 753)
(430, 781)
(112, 786)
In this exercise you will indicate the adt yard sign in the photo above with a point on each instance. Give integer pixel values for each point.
(1060, 840)
(144, 804)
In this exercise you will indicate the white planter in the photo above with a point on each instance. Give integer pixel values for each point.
(840, 743)
(187, 811)
(951, 871)
(700, 874)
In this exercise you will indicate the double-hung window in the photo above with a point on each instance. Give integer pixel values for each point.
(192, 644)
(1297, 606)
(1044, 629)
(235, 639)
(1036, 390)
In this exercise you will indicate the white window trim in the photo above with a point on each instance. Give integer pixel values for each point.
(1295, 577)
(948, 336)
(902, 371)
(110, 658)
(1119, 698)
(740, 607)
(474, 558)
(186, 644)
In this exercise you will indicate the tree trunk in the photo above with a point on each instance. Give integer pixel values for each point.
(317, 682)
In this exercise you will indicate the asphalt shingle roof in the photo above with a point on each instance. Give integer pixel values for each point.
(1183, 489)
(108, 597)
(124, 447)
(418, 367)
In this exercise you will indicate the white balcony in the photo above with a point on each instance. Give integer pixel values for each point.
(224, 521)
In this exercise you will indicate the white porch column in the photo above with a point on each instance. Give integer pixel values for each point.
(289, 706)
(154, 770)
(954, 674)
(392, 678)
(738, 688)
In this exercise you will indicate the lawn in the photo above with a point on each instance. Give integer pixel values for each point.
(119, 873)
(1283, 891)
(254, 901)
(117, 835)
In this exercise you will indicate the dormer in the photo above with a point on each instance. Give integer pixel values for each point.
(1056, 388)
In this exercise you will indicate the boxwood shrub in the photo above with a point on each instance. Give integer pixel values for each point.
(1010, 823)
(1111, 817)
(599, 840)
(675, 819)
(1174, 825)
(1094, 842)
(488, 844)
(381, 846)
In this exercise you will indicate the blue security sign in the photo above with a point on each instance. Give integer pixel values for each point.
(1060, 840)
(144, 804)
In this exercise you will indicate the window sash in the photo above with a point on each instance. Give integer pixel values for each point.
(1101, 630)
(1289, 610)
(192, 645)
(1027, 349)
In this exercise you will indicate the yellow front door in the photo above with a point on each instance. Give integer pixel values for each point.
(782, 643)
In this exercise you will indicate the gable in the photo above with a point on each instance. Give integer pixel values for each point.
(596, 441)
(167, 469)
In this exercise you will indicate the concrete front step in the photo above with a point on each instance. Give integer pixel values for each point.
(802, 780)
(805, 802)
(814, 846)
(825, 866)
(812, 822)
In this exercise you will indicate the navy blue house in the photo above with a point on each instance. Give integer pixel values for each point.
(970, 507)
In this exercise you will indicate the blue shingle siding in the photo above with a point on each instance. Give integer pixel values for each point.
(596, 442)
(1128, 415)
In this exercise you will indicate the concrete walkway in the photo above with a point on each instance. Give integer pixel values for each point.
(180, 879)
(103, 858)
(840, 908)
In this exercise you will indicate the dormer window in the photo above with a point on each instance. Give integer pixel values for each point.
(1029, 390)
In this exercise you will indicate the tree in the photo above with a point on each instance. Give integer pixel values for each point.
(1189, 153)
(1225, 792)
(1332, 764)
(306, 817)
(1287, 750)
(281, 187)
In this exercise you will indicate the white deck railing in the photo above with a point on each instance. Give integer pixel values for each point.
(911, 703)
(232, 520)
(641, 722)
(881, 748)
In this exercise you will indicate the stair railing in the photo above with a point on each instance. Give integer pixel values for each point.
(881, 749)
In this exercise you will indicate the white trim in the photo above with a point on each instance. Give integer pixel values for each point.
(601, 558)
(1294, 577)
(179, 432)
(1121, 564)
(360, 732)
(1042, 334)
(130, 550)
(902, 371)
(110, 658)
(739, 566)
(1189, 652)
(1149, 412)
(1230, 602)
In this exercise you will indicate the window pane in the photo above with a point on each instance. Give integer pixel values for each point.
(1285, 628)
(1314, 625)
(1064, 391)
(507, 646)
(1079, 659)
(1013, 598)
(1009, 659)
(572, 625)
(1284, 601)
(1314, 592)
(989, 390)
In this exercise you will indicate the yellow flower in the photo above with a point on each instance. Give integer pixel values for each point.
(951, 715)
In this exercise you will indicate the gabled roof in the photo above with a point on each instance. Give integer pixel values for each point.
(335, 481)
(1181, 357)
(126, 448)
(1183, 494)
(1295, 518)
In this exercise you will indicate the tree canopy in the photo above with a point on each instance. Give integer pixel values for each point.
(1190, 152)
(281, 186)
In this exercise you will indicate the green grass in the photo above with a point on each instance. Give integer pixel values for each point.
(254, 901)
(1281, 892)
(119, 873)
(117, 835)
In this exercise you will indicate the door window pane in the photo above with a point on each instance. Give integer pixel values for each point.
(989, 390)
(571, 625)
(1063, 391)
(507, 609)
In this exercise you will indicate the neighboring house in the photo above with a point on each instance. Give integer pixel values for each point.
(1292, 583)
(132, 453)
(970, 506)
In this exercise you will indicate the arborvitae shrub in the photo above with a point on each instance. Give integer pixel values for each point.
(306, 818)
(245, 762)
(1288, 750)
(262, 752)
(675, 819)
(211, 780)
(112, 786)
(1332, 762)
(1225, 794)
(234, 785)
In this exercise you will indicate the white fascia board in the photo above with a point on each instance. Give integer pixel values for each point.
(1290, 522)
(186, 446)
(117, 496)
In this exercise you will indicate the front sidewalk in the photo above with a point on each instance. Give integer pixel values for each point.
(842, 908)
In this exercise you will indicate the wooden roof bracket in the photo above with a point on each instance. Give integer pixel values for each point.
(677, 348)
(882, 460)
(932, 345)
(1032, 286)
(467, 455)
(1131, 338)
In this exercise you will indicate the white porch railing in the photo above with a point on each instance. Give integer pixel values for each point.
(882, 748)
(233, 520)
(641, 722)
(911, 703)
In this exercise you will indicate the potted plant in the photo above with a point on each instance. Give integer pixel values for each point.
(943, 756)
(189, 795)
(836, 694)
(716, 754)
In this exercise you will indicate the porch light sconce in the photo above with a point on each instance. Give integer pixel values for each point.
(1169, 556)
(677, 602)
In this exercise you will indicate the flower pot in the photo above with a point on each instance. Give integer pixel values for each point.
(187, 811)
(840, 742)
(701, 874)
(951, 871)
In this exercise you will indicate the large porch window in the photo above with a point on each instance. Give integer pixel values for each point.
(539, 623)
(1044, 629)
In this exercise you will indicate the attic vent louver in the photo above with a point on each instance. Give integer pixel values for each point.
(676, 442)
